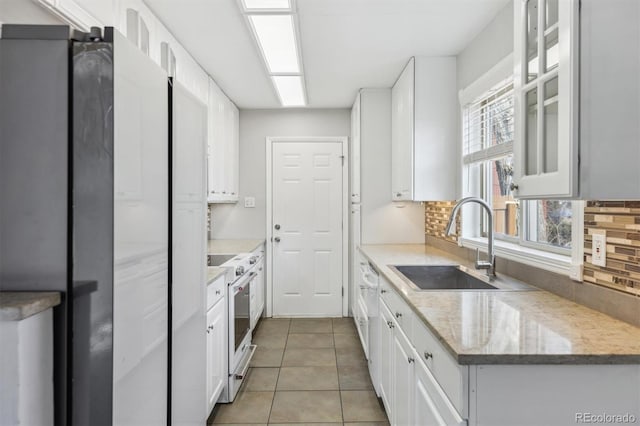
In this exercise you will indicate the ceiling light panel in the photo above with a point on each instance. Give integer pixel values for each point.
(253, 5)
(276, 37)
(290, 90)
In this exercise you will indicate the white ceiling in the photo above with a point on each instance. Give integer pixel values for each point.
(346, 44)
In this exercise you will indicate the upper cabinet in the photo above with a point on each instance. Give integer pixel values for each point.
(423, 131)
(577, 96)
(223, 147)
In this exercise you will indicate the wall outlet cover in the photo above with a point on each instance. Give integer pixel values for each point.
(599, 249)
(249, 202)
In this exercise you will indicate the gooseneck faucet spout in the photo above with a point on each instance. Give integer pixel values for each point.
(489, 265)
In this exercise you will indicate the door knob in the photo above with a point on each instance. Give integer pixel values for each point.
(276, 239)
(277, 226)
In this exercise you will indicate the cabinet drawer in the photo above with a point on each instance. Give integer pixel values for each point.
(447, 372)
(215, 291)
(398, 307)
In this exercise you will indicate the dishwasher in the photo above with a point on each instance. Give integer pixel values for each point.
(368, 295)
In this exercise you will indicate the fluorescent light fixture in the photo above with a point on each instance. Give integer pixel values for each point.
(267, 4)
(276, 37)
(290, 90)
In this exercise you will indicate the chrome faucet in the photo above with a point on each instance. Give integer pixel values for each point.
(489, 265)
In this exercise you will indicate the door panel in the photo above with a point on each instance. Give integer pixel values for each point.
(307, 207)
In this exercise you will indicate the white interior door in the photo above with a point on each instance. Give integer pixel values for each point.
(307, 247)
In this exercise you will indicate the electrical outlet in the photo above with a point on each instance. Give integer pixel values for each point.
(599, 249)
(249, 202)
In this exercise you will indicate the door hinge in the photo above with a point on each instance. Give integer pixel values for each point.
(342, 158)
(342, 291)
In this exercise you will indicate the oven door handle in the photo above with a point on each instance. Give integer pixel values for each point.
(241, 284)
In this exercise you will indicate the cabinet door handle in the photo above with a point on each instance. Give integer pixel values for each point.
(399, 194)
(410, 360)
(390, 324)
(513, 186)
(217, 291)
(398, 314)
(383, 291)
(428, 355)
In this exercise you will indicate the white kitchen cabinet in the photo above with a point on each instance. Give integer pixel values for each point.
(403, 363)
(223, 147)
(190, 135)
(256, 304)
(423, 131)
(354, 155)
(577, 99)
(216, 350)
(386, 359)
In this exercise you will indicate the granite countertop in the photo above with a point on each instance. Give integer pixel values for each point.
(233, 246)
(506, 326)
(18, 305)
(214, 272)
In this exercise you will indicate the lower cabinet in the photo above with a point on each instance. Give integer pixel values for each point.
(256, 304)
(410, 393)
(216, 351)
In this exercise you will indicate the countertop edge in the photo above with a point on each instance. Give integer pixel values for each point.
(252, 243)
(505, 359)
(19, 305)
(217, 273)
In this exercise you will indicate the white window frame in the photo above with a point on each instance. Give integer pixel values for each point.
(558, 260)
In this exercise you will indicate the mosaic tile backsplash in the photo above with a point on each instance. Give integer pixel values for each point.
(436, 218)
(621, 222)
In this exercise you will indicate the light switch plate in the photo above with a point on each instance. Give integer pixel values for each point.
(599, 249)
(249, 202)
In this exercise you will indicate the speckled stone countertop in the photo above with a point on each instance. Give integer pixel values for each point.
(18, 305)
(233, 246)
(507, 327)
(214, 272)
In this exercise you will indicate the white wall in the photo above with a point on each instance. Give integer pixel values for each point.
(491, 45)
(234, 220)
(25, 12)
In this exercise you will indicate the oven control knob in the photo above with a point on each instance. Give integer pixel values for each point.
(239, 270)
(253, 260)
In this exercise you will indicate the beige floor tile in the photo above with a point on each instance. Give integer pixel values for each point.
(248, 407)
(270, 340)
(304, 424)
(321, 357)
(261, 379)
(350, 356)
(266, 357)
(310, 341)
(365, 424)
(308, 378)
(347, 341)
(354, 377)
(311, 325)
(361, 406)
(268, 326)
(344, 326)
(306, 406)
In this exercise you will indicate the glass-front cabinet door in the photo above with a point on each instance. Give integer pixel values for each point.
(546, 99)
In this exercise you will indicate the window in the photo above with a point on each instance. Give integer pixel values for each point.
(488, 133)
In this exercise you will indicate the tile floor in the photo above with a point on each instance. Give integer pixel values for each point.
(305, 371)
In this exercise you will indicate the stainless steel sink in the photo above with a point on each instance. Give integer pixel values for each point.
(441, 277)
(218, 259)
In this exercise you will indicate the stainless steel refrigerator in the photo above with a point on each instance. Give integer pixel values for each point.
(84, 210)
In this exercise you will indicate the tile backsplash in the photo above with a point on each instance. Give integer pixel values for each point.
(621, 222)
(436, 218)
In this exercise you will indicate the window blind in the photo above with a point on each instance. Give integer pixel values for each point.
(488, 126)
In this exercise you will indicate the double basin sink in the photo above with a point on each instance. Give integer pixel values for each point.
(452, 277)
